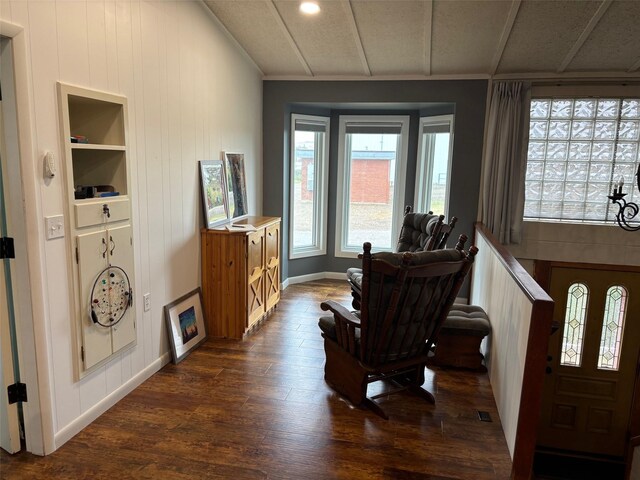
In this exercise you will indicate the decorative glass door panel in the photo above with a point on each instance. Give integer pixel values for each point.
(592, 360)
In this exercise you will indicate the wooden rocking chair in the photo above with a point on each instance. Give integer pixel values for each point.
(405, 299)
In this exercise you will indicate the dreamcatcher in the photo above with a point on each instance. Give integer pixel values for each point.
(111, 296)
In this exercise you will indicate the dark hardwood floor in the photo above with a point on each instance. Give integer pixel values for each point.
(261, 409)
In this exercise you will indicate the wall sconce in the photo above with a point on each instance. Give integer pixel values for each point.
(627, 210)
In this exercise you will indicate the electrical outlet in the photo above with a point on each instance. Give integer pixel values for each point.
(54, 226)
(147, 302)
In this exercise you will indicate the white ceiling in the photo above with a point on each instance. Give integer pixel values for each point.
(437, 38)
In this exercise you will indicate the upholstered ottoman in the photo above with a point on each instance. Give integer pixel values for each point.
(458, 344)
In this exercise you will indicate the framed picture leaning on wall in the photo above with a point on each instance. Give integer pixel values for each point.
(214, 192)
(185, 324)
(236, 185)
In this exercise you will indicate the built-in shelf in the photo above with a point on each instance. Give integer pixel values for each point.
(97, 146)
(99, 118)
(82, 201)
(94, 167)
(100, 229)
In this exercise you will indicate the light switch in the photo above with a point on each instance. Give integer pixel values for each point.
(54, 226)
(147, 302)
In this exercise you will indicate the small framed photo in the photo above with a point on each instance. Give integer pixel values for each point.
(214, 192)
(185, 324)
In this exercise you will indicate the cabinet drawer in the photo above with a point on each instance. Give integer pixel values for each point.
(88, 214)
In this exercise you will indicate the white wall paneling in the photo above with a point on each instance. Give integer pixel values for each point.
(192, 94)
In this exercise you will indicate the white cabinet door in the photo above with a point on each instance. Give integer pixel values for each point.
(96, 251)
(121, 255)
(92, 259)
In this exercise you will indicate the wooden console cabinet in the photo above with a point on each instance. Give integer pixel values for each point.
(240, 275)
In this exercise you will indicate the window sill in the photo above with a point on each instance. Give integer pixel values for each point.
(307, 253)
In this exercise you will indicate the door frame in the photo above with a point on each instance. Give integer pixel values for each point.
(8, 356)
(542, 274)
(33, 348)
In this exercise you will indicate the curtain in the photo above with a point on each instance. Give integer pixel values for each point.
(505, 160)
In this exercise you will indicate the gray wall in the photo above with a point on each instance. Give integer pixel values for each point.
(413, 98)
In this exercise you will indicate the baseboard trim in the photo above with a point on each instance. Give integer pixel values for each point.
(314, 276)
(336, 275)
(84, 420)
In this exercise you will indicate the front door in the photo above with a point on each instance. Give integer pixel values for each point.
(592, 360)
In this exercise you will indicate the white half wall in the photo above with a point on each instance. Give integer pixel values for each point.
(192, 93)
(515, 351)
(505, 349)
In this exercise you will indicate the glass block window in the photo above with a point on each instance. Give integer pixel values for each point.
(575, 321)
(578, 148)
(615, 310)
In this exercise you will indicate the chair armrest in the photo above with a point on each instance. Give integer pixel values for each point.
(341, 312)
(346, 325)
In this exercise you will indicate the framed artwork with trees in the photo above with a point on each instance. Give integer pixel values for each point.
(214, 192)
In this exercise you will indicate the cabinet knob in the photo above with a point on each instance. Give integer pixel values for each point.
(105, 210)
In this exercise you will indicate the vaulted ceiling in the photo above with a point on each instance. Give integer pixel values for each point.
(435, 38)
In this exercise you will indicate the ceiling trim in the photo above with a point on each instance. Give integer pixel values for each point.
(543, 76)
(233, 40)
(351, 19)
(551, 76)
(428, 32)
(585, 89)
(584, 35)
(635, 66)
(506, 32)
(278, 18)
(469, 76)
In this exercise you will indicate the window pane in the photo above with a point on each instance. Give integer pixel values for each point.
(308, 185)
(372, 165)
(439, 158)
(615, 310)
(433, 166)
(372, 159)
(302, 195)
(574, 325)
(578, 148)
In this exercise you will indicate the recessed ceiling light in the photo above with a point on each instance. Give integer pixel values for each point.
(310, 8)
